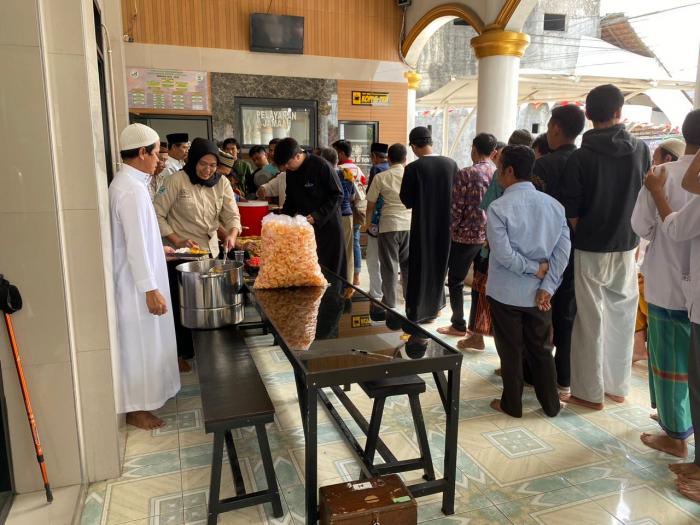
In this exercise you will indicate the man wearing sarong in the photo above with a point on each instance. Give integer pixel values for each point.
(666, 265)
(684, 224)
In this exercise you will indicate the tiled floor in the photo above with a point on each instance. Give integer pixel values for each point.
(582, 467)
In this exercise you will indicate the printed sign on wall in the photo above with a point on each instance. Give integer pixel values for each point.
(167, 89)
(370, 98)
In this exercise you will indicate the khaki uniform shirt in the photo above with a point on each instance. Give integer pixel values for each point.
(193, 211)
(395, 216)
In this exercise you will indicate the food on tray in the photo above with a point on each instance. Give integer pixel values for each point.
(295, 313)
(288, 254)
(192, 251)
(253, 245)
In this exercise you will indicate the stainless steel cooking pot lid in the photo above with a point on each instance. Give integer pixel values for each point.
(204, 266)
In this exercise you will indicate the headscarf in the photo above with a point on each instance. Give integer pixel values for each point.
(198, 149)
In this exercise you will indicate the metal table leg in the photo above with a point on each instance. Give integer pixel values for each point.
(301, 395)
(450, 466)
(310, 463)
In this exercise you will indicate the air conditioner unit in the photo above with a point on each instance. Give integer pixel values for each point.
(403, 3)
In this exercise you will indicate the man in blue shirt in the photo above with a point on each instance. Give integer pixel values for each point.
(529, 250)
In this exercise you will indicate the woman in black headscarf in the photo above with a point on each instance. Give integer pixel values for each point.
(194, 201)
(190, 207)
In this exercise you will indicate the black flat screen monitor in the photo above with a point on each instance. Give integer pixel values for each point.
(276, 33)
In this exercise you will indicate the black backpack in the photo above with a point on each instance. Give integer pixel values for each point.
(10, 299)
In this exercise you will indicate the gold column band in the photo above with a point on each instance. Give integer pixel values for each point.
(413, 79)
(495, 42)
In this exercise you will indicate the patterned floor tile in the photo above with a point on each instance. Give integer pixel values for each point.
(485, 516)
(580, 467)
(528, 510)
(644, 505)
(140, 442)
(137, 499)
(581, 514)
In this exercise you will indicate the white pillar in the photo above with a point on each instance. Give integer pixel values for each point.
(499, 54)
(411, 111)
(697, 83)
(497, 101)
(413, 79)
(445, 129)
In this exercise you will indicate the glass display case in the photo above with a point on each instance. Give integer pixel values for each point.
(259, 120)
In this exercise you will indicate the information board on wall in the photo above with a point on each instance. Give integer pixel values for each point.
(168, 89)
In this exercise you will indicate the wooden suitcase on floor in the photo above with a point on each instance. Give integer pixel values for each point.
(377, 501)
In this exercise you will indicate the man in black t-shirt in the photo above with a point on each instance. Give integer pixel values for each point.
(565, 124)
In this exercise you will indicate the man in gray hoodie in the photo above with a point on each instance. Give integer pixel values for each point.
(599, 190)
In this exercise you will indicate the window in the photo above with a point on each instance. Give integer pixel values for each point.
(260, 120)
(554, 22)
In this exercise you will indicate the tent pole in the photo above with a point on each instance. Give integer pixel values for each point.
(464, 125)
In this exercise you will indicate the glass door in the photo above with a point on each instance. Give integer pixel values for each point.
(360, 135)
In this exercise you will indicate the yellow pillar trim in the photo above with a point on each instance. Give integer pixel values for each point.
(506, 12)
(413, 78)
(454, 10)
(499, 42)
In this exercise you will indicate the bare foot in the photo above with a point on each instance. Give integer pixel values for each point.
(451, 330)
(640, 347)
(690, 488)
(581, 402)
(496, 405)
(688, 470)
(473, 342)
(617, 399)
(675, 447)
(183, 365)
(356, 279)
(144, 420)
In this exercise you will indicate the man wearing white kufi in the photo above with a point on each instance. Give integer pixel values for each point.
(147, 372)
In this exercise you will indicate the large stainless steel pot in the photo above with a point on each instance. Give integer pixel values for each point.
(210, 293)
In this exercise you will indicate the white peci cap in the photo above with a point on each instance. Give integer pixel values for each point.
(137, 136)
(675, 146)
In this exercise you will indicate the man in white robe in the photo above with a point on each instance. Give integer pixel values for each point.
(147, 374)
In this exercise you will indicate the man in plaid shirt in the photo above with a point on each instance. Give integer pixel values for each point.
(468, 227)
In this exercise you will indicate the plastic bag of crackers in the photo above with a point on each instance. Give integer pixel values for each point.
(294, 313)
(288, 255)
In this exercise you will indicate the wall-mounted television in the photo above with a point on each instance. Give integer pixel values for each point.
(276, 33)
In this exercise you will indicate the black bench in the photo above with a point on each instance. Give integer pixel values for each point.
(411, 386)
(233, 396)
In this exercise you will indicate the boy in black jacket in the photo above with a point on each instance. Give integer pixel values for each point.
(599, 190)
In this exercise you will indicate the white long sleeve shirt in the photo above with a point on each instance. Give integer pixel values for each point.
(684, 225)
(277, 187)
(146, 374)
(667, 260)
(172, 165)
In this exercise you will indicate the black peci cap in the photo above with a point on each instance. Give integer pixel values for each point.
(177, 138)
(379, 147)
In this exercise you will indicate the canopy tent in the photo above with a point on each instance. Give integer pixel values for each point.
(597, 63)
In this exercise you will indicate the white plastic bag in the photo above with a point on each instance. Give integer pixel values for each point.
(289, 255)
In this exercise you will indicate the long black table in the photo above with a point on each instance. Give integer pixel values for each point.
(331, 342)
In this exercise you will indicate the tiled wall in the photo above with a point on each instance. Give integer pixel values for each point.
(225, 87)
(53, 195)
